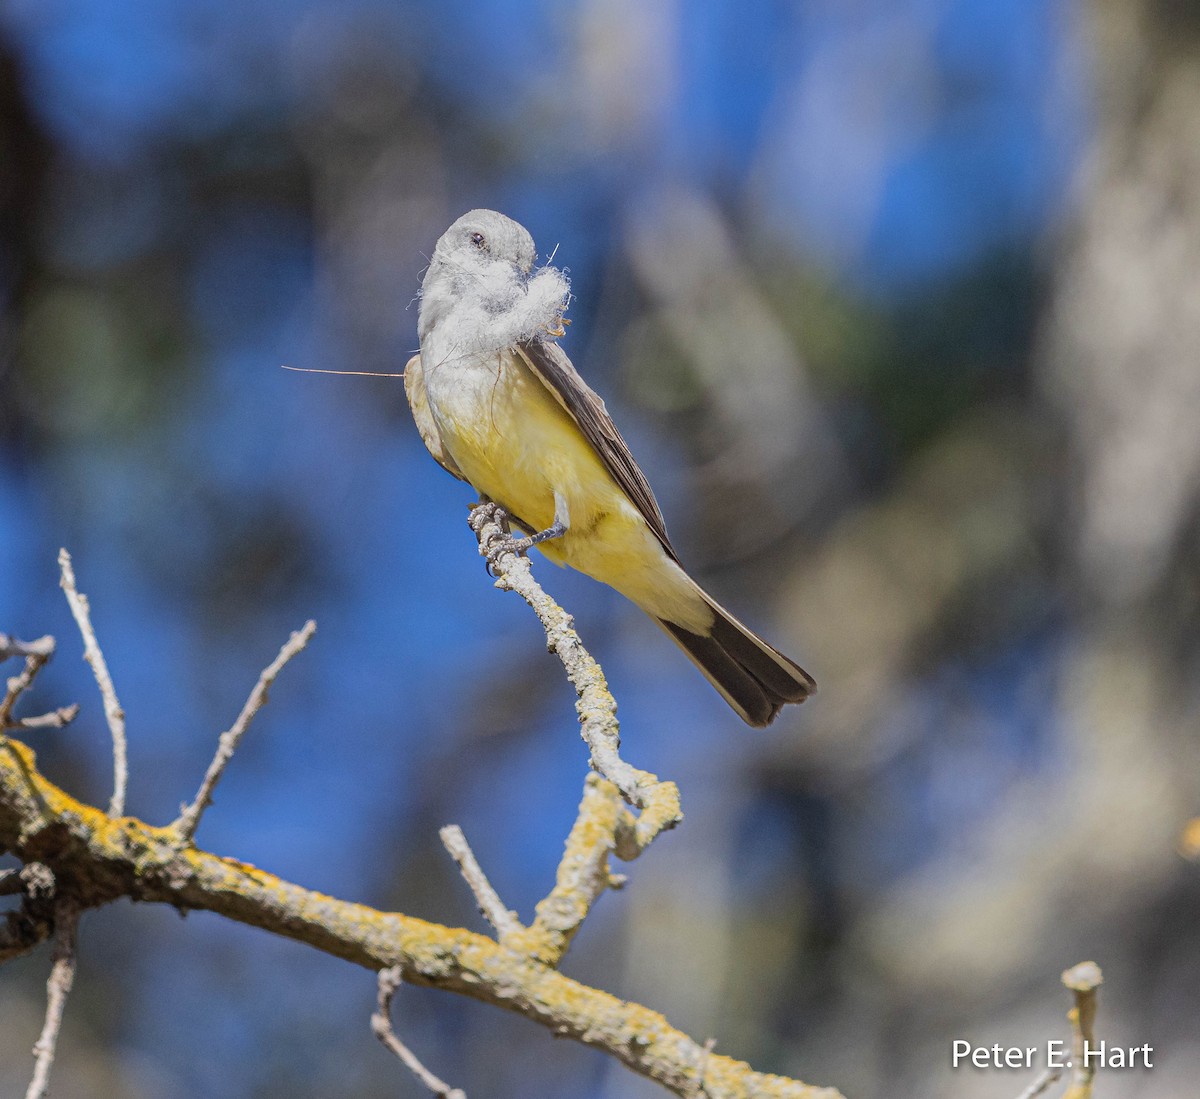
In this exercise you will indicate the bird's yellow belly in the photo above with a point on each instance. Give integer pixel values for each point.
(516, 444)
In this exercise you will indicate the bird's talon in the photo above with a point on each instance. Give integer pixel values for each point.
(518, 546)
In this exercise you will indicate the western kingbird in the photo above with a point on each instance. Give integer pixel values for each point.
(500, 405)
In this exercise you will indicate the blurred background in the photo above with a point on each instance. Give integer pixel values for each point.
(899, 307)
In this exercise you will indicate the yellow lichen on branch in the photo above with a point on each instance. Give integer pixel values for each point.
(595, 705)
(97, 859)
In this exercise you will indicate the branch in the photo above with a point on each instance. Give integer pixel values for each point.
(381, 1025)
(1083, 980)
(97, 860)
(583, 872)
(58, 987)
(188, 821)
(36, 653)
(90, 860)
(597, 709)
(490, 906)
(603, 826)
(55, 719)
(113, 714)
(12, 646)
(1045, 1078)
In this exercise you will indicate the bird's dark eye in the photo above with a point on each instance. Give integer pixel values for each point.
(478, 240)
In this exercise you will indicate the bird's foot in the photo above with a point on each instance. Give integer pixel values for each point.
(487, 511)
(509, 544)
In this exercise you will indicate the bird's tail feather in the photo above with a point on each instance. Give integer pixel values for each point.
(754, 677)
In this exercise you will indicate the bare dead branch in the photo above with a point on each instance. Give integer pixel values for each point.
(145, 863)
(1083, 980)
(381, 1026)
(187, 822)
(55, 719)
(597, 709)
(36, 653)
(58, 988)
(11, 646)
(491, 907)
(113, 714)
(1045, 1079)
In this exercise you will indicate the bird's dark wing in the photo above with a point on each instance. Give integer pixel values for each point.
(550, 364)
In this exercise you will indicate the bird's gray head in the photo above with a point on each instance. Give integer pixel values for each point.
(482, 237)
(481, 289)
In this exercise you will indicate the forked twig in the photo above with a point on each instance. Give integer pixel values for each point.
(381, 1026)
(36, 653)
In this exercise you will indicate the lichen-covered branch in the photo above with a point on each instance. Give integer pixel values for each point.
(583, 872)
(604, 826)
(77, 857)
(597, 709)
(96, 859)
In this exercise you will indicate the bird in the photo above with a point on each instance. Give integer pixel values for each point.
(499, 405)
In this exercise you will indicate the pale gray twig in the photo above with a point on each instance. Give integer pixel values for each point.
(1041, 1084)
(58, 987)
(12, 646)
(36, 653)
(113, 714)
(189, 819)
(381, 1026)
(490, 905)
(55, 719)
